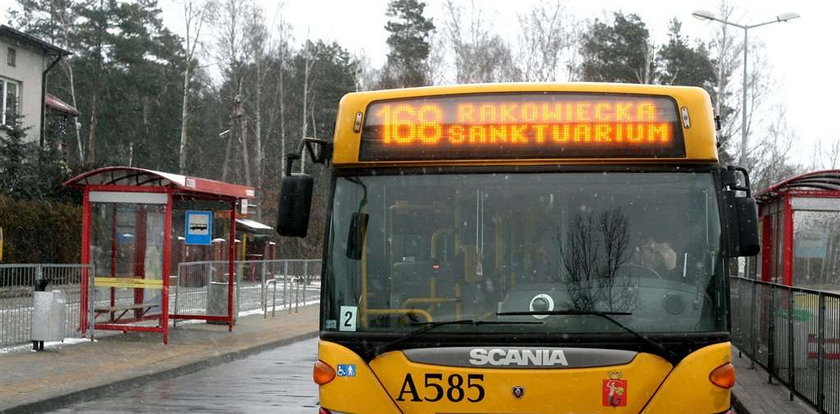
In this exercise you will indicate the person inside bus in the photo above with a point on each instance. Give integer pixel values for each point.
(658, 255)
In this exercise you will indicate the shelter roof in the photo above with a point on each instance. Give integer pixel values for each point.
(143, 178)
(253, 225)
(819, 181)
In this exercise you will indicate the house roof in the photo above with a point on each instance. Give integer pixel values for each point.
(23, 38)
(58, 105)
(139, 177)
(827, 180)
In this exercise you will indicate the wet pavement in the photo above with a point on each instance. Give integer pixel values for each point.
(92, 371)
(275, 381)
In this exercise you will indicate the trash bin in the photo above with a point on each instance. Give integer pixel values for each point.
(800, 317)
(217, 301)
(49, 315)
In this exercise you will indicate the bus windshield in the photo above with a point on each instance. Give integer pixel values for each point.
(544, 246)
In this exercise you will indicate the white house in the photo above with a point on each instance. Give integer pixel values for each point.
(24, 63)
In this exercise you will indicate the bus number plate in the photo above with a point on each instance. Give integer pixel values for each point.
(435, 387)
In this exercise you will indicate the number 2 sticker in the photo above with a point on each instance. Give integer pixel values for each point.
(347, 320)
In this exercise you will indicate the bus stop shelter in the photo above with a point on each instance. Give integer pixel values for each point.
(128, 232)
(799, 223)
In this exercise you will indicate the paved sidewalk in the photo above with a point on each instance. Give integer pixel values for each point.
(752, 393)
(40, 381)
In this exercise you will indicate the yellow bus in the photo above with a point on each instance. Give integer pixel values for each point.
(525, 248)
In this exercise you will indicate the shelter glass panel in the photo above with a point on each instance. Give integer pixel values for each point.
(816, 253)
(127, 253)
(816, 203)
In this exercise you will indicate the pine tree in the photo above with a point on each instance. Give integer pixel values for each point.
(408, 43)
(681, 64)
(28, 170)
(12, 156)
(620, 52)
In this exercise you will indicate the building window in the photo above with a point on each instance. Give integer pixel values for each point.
(10, 103)
(11, 56)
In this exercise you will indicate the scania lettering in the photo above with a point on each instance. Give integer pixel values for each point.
(497, 356)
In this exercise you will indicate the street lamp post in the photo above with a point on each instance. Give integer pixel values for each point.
(707, 15)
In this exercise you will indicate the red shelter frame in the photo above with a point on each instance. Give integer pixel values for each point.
(117, 180)
(776, 222)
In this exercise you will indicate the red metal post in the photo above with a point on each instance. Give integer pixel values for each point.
(167, 246)
(126, 328)
(767, 248)
(231, 256)
(114, 236)
(219, 318)
(125, 188)
(787, 250)
(139, 252)
(85, 256)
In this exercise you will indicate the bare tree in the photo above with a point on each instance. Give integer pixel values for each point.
(232, 50)
(101, 27)
(67, 65)
(579, 262)
(367, 75)
(728, 52)
(281, 98)
(548, 41)
(770, 158)
(307, 82)
(616, 239)
(832, 156)
(645, 74)
(243, 141)
(196, 13)
(257, 42)
(825, 157)
(594, 253)
(759, 83)
(437, 59)
(480, 56)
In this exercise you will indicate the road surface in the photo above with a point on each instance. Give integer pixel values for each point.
(276, 381)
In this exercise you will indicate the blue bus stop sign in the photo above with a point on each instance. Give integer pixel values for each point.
(198, 227)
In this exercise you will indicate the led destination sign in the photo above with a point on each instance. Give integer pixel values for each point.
(522, 126)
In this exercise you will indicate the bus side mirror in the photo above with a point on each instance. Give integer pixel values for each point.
(747, 226)
(356, 235)
(295, 200)
(742, 230)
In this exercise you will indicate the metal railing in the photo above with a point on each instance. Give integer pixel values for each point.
(17, 282)
(794, 334)
(258, 283)
(200, 288)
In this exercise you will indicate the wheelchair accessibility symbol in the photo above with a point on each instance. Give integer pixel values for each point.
(346, 370)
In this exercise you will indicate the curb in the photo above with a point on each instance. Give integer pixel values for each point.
(73, 397)
(737, 405)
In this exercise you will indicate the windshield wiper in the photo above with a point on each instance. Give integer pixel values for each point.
(428, 326)
(669, 355)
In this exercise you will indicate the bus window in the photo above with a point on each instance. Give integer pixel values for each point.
(468, 246)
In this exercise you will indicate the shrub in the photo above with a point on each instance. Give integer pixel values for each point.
(40, 231)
